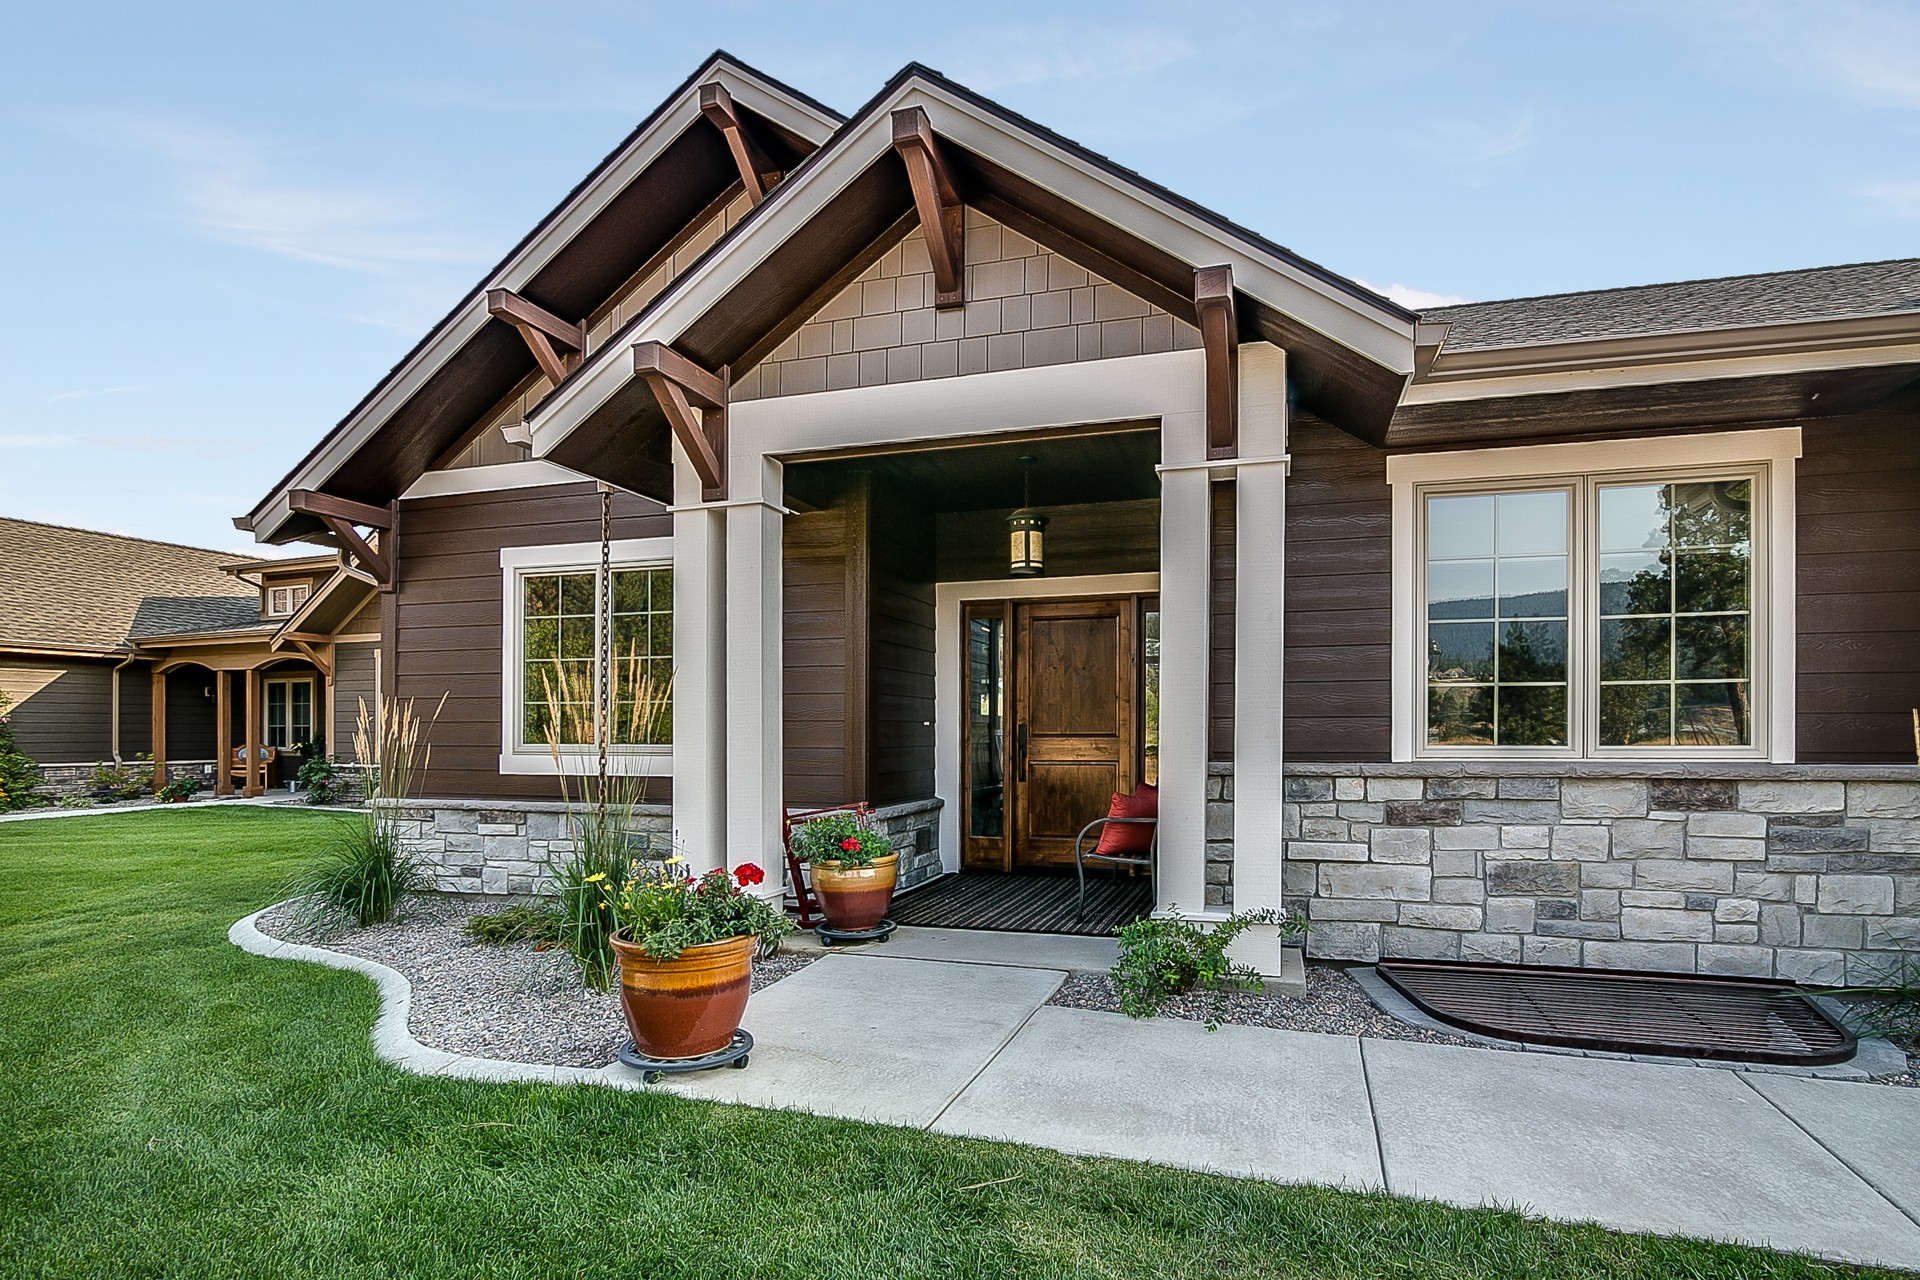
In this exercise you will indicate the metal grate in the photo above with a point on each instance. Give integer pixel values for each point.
(1677, 1015)
(1024, 903)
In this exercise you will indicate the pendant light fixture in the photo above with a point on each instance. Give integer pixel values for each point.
(1027, 531)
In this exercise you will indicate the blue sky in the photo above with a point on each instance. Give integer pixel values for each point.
(224, 222)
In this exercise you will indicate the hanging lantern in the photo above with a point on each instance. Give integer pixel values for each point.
(1027, 531)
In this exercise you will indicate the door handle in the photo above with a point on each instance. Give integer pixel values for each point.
(1020, 751)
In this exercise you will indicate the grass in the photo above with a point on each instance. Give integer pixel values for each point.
(174, 1107)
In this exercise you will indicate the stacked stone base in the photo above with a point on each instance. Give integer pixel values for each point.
(1809, 872)
(508, 847)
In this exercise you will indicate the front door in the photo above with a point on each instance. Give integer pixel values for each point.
(1053, 725)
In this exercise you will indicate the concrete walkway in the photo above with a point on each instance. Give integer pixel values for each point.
(1813, 1166)
(956, 1046)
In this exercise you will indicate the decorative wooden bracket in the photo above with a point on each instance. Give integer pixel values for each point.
(540, 329)
(340, 515)
(937, 197)
(306, 646)
(680, 386)
(1220, 337)
(757, 173)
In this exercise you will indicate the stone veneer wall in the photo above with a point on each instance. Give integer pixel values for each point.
(503, 847)
(1803, 872)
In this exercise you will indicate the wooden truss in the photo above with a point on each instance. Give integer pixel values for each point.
(1220, 338)
(758, 173)
(681, 387)
(540, 329)
(936, 196)
(340, 515)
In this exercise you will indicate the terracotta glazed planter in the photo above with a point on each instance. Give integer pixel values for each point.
(855, 897)
(689, 1006)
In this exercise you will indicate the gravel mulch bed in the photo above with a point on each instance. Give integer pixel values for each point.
(1335, 1005)
(506, 1001)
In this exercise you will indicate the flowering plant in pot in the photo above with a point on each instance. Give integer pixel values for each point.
(853, 866)
(685, 948)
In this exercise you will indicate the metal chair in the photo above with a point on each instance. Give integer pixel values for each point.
(1080, 859)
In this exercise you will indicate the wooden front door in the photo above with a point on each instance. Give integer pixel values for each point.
(1064, 730)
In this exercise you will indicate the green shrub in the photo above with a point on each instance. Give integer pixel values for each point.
(320, 781)
(18, 774)
(1168, 957)
(528, 922)
(178, 790)
(121, 781)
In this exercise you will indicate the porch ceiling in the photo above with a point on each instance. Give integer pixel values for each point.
(1068, 470)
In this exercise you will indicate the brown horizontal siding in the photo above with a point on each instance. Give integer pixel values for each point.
(447, 618)
(1858, 547)
(1339, 597)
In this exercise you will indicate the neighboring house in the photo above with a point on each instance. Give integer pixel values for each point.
(114, 647)
(1577, 630)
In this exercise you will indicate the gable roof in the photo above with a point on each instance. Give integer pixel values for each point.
(1726, 302)
(77, 590)
(645, 192)
(1350, 350)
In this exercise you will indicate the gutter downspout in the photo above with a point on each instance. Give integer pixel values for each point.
(114, 742)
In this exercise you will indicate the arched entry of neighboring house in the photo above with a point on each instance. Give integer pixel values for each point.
(263, 730)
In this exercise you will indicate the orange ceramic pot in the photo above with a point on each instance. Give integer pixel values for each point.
(854, 898)
(689, 1006)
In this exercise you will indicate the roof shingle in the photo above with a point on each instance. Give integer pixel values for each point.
(88, 590)
(1775, 297)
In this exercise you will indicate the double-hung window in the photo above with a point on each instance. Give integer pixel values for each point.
(1620, 606)
(566, 639)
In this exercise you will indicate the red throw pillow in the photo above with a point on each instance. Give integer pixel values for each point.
(1130, 839)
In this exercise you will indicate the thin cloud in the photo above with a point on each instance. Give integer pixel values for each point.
(1474, 148)
(1894, 199)
(88, 393)
(1867, 50)
(1038, 55)
(1414, 299)
(236, 190)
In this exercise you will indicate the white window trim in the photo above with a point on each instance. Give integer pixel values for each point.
(313, 708)
(1772, 453)
(298, 593)
(571, 557)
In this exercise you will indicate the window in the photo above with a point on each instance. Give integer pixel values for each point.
(283, 601)
(289, 707)
(559, 619)
(1624, 609)
(551, 627)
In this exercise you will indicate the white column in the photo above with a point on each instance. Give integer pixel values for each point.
(1185, 556)
(755, 750)
(1260, 509)
(699, 673)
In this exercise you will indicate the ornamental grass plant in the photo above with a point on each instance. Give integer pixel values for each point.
(363, 869)
(602, 805)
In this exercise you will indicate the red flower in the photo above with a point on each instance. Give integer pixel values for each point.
(850, 844)
(746, 873)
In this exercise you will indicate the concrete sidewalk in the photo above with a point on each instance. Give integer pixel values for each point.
(1815, 1166)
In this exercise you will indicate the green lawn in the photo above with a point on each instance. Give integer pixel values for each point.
(174, 1107)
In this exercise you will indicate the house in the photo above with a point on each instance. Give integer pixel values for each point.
(1574, 630)
(114, 647)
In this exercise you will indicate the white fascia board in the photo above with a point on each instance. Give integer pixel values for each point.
(492, 479)
(1344, 319)
(455, 332)
(1642, 375)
